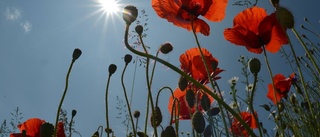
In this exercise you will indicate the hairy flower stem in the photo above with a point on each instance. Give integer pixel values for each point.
(132, 88)
(210, 79)
(149, 87)
(279, 123)
(196, 83)
(62, 98)
(251, 103)
(315, 65)
(106, 100)
(127, 101)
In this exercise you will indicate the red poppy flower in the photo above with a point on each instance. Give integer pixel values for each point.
(32, 127)
(253, 28)
(282, 86)
(238, 130)
(182, 12)
(185, 110)
(191, 63)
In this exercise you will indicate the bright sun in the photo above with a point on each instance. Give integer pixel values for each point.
(109, 6)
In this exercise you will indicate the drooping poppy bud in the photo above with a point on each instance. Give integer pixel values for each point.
(254, 65)
(166, 48)
(139, 29)
(213, 111)
(129, 14)
(76, 54)
(285, 17)
(108, 130)
(112, 69)
(205, 102)
(95, 134)
(156, 117)
(168, 132)
(127, 58)
(136, 114)
(190, 97)
(265, 106)
(198, 122)
(46, 130)
(183, 83)
(73, 113)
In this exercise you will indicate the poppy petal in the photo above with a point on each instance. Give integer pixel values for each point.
(250, 18)
(217, 10)
(60, 132)
(31, 126)
(278, 37)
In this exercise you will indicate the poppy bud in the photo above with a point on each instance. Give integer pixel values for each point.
(136, 114)
(198, 122)
(156, 117)
(166, 48)
(293, 99)
(183, 83)
(112, 69)
(205, 102)
(127, 58)
(95, 134)
(285, 17)
(265, 106)
(280, 106)
(168, 132)
(141, 134)
(76, 54)
(275, 3)
(139, 29)
(254, 65)
(108, 130)
(46, 130)
(129, 14)
(213, 111)
(73, 113)
(190, 97)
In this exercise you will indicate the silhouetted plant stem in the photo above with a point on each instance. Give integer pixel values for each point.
(196, 83)
(251, 103)
(106, 100)
(62, 98)
(127, 101)
(148, 85)
(210, 79)
(132, 88)
(307, 51)
(278, 123)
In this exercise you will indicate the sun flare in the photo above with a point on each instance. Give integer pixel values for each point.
(109, 6)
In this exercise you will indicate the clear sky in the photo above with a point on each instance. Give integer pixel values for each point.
(37, 39)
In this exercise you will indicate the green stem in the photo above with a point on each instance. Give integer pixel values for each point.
(251, 103)
(196, 83)
(132, 88)
(127, 101)
(63, 96)
(106, 100)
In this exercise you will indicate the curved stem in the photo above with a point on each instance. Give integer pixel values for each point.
(106, 100)
(174, 68)
(127, 101)
(63, 96)
(251, 103)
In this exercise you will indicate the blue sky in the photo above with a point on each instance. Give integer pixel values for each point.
(37, 39)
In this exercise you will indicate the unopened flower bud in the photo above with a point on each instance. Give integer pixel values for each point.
(254, 65)
(46, 130)
(95, 134)
(285, 17)
(205, 102)
(183, 83)
(139, 29)
(293, 99)
(108, 130)
(127, 58)
(168, 132)
(166, 48)
(136, 114)
(280, 106)
(129, 14)
(112, 69)
(156, 117)
(190, 97)
(265, 106)
(198, 122)
(76, 54)
(73, 113)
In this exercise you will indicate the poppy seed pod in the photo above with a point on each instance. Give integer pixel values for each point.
(136, 114)
(166, 48)
(254, 65)
(127, 58)
(285, 17)
(139, 29)
(190, 97)
(73, 113)
(112, 69)
(156, 117)
(129, 14)
(183, 83)
(76, 54)
(168, 132)
(275, 3)
(198, 122)
(46, 130)
(205, 102)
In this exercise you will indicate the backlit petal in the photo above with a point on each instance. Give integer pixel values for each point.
(250, 18)
(32, 126)
(217, 10)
